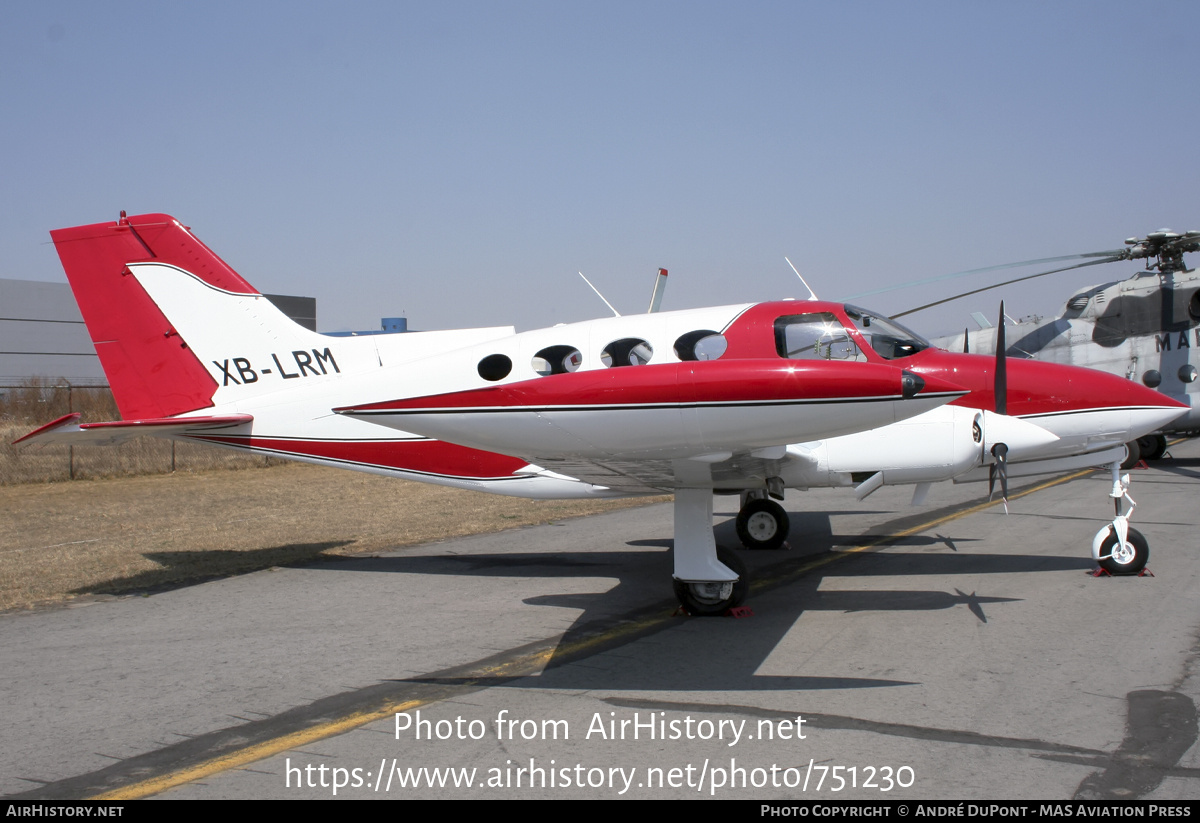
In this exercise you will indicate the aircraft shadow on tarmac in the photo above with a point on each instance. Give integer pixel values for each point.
(1181, 466)
(211, 564)
(787, 588)
(642, 577)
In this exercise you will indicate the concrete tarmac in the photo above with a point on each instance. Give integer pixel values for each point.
(944, 652)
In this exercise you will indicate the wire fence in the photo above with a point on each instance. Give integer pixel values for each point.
(36, 402)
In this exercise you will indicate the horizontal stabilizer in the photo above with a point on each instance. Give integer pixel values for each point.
(67, 430)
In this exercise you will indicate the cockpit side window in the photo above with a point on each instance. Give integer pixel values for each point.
(815, 336)
(889, 339)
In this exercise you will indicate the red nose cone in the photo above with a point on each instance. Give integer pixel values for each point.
(1035, 387)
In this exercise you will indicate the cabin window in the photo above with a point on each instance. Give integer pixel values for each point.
(557, 360)
(628, 351)
(495, 367)
(814, 336)
(702, 344)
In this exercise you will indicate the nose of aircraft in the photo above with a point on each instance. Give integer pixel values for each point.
(1086, 408)
(1152, 418)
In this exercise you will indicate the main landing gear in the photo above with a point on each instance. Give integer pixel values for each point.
(762, 523)
(1118, 548)
(708, 581)
(714, 598)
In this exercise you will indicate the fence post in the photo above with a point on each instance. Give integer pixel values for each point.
(70, 449)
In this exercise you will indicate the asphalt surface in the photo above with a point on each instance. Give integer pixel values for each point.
(942, 652)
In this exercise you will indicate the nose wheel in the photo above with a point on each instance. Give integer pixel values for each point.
(1123, 558)
(1118, 548)
(762, 524)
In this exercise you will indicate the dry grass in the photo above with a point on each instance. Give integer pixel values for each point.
(68, 540)
(141, 455)
(38, 401)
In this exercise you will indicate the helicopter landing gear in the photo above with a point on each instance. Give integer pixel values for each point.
(1152, 446)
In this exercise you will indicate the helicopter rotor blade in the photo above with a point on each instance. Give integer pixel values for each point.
(1042, 260)
(1005, 283)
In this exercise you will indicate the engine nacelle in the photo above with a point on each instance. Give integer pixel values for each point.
(937, 445)
(1025, 440)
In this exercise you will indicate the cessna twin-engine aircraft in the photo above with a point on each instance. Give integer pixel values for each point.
(749, 399)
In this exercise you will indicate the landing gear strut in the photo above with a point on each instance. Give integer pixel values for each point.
(708, 581)
(1118, 548)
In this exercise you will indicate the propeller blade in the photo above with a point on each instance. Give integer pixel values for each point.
(1000, 389)
(966, 342)
(999, 469)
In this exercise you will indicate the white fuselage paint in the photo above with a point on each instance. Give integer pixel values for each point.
(290, 378)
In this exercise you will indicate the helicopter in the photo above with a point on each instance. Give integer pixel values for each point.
(1145, 328)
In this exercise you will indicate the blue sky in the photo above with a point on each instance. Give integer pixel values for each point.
(458, 162)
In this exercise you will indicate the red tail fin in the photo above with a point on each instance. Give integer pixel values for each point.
(152, 371)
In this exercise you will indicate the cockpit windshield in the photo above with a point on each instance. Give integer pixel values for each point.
(889, 339)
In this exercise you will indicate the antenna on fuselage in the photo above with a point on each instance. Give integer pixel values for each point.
(601, 296)
(812, 294)
(656, 296)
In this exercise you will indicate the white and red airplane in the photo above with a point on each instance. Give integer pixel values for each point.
(749, 399)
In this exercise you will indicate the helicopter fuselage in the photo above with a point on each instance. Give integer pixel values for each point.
(1145, 328)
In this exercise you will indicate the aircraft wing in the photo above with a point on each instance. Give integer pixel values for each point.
(67, 430)
(737, 471)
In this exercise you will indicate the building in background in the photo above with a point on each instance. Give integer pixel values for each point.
(42, 334)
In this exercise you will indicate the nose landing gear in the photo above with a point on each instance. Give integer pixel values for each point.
(1118, 548)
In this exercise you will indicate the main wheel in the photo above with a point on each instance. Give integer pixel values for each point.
(762, 524)
(1152, 446)
(1129, 560)
(1133, 456)
(712, 599)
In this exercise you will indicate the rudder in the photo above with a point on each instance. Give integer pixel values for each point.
(151, 370)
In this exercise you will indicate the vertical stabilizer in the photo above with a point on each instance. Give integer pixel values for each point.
(152, 371)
